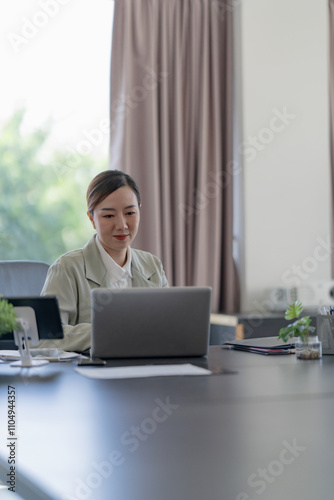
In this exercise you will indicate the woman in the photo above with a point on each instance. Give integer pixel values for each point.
(107, 260)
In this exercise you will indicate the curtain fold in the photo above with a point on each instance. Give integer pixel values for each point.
(171, 113)
(331, 103)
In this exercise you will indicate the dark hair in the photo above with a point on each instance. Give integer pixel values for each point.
(106, 183)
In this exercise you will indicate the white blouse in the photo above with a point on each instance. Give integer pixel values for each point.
(120, 277)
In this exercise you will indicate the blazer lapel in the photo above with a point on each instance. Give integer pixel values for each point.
(142, 274)
(95, 269)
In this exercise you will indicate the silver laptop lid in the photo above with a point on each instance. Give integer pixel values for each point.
(150, 322)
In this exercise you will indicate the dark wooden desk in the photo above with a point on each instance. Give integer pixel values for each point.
(263, 428)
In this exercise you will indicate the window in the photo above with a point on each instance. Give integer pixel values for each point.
(54, 123)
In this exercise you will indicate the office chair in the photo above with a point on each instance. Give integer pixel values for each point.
(22, 278)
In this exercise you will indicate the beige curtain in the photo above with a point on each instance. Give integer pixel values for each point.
(331, 100)
(172, 130)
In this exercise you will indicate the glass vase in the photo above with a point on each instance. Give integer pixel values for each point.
(309, 348)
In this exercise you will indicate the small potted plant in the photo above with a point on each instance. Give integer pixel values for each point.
(8, 319)
(307, 346)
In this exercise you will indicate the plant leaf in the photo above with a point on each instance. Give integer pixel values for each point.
(294, 310)
(299, 328)
(286, 333)
(8, 321)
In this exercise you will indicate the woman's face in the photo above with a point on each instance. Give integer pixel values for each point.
(116, 220)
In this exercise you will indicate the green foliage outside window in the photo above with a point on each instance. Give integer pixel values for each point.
(42, 195)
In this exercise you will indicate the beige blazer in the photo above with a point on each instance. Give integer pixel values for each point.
(75, 274)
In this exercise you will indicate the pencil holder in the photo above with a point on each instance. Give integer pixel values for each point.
(325, 331)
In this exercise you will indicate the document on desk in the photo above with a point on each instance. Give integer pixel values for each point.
(120, 372)
(48, 354)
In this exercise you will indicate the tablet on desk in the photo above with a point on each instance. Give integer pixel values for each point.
(47, 319)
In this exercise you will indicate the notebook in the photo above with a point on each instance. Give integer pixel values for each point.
(150, 322)
(264, 345)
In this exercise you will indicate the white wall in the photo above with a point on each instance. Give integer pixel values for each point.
(282, 71)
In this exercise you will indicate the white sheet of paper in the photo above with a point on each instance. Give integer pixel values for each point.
(9, 354)
(142, 371)
(50, 354)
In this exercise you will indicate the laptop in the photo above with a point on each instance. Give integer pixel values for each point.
(150, 322)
